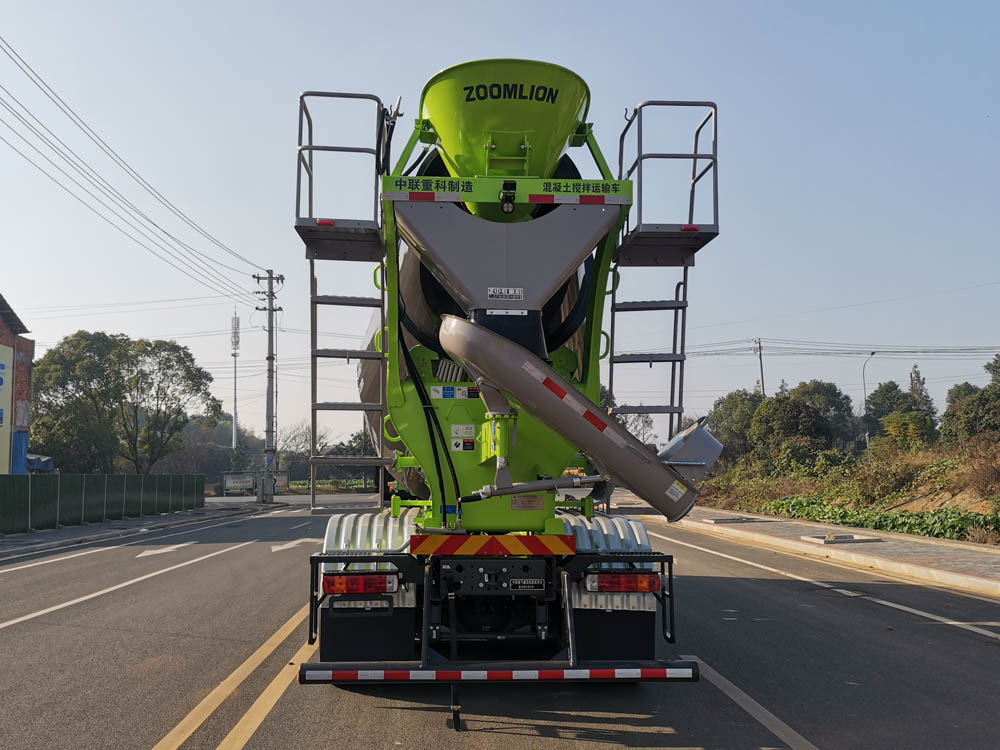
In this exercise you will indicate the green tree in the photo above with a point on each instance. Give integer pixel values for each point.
(729, 420)
(922, 401)
(162, 386)
(884, 400)
(833, 404)
(908, 430)
(973, 410)
(76, 390)
(784, 418)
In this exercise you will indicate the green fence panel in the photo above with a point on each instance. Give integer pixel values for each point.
(70, 499)
(159, 500)
(147, 497)
(133, 490)
(172, 493)
(44, 491)
(116, 497)
(13, 504)
(187, 491)
(94, 486)
(199, 498)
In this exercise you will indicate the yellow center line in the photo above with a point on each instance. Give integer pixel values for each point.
(179, 734)
(252, 719)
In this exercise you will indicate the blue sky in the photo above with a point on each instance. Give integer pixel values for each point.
(858, 162)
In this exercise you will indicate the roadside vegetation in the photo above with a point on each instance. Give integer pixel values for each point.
(803, 453)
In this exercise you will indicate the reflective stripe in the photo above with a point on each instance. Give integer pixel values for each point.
(474, 674)
(499, 675)
(628, 674)
(525, 674)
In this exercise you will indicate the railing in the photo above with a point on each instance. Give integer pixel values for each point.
(47, 501)
(304, 162)
(694, 156)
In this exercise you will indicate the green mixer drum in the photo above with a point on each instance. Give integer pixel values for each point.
(503, 118)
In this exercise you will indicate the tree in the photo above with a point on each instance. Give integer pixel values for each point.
(884, 400)
(358, 444)
(162, 385)
(833, 404)
(908, 429)
(294, 446)
(922, 401)
(973, 410)
(729, 420)
(76, 388)
(784, 418)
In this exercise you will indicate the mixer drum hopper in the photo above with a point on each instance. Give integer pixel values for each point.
(504, 118)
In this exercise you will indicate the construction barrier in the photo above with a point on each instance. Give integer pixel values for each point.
(45, 501)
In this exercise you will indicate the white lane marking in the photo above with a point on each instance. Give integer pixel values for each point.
(769, 721)
(844, 592)
(293, 543)
(114, 546)
(117, 586)
(161, 550)
(300, 525)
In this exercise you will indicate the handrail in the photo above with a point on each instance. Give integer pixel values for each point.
(306, 147)
(696, 174)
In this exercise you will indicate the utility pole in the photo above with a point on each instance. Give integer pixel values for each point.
(760, 355)
(266, 493)
(236, 353)
(864, 390)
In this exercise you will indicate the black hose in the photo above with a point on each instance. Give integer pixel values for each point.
(433, 425)
(418, 161)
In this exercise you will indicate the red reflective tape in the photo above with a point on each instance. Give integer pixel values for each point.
(344, 674)
(689, 228)
(535, 545)
(554, 387)
(324, 222)
(499, 675)
(550, 674)
(653, 674)
(443, 674)
(421, 196)
(602, 674)
(451, 544)
(591, 199)
(540, 198)
(396, 674)
(594, 420)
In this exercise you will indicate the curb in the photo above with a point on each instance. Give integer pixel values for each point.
(921, 573)
(119, 533)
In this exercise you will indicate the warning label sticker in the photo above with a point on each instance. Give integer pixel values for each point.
(451, 391)
(463, 430)
(505, 292)
(676, 491)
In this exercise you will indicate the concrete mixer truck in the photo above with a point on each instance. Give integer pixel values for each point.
(495, 262)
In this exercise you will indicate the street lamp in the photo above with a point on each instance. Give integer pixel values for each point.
(864, 388)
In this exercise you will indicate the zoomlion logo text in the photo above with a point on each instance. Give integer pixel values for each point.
(535, 92)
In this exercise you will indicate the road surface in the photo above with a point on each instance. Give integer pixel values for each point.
(189, 638)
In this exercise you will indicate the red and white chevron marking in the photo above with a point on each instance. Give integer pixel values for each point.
(600, 200)
(492, 675)
(422, 195)
(597, 422)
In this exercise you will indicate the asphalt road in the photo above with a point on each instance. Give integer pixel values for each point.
(190, 638)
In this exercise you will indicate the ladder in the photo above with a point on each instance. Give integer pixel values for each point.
(342, 240)
(662, 245)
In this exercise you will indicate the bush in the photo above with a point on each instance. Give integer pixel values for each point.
(947, 523)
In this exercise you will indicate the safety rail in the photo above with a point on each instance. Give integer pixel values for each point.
(694, 156)
(384, 121)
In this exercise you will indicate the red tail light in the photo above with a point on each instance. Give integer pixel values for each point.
(359, 583)
(632, 583)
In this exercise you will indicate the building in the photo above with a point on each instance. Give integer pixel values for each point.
(16, 355)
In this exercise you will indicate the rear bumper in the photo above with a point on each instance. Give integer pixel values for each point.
(327, 673)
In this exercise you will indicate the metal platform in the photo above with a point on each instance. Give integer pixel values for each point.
(664, 244)
(341, 239)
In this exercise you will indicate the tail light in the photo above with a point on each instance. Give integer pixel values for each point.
(632, 583)
(359, 583)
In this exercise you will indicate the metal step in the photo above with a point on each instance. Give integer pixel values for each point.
(347, 354)
(655, 304)
(341, 239)
(339, 301)
(351, 461)
(618, 359)
(665, 244)
(347, 406)
(651, 409)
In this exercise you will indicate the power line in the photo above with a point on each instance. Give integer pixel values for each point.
(110, 152)
(116, 226)
(191, 262)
